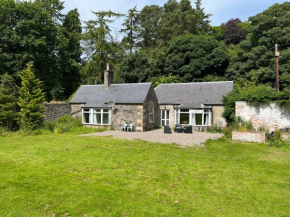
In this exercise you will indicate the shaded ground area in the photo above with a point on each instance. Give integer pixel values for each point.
(194, 139)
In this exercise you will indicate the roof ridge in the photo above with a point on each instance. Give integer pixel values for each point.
(87, 85)
(197, 82)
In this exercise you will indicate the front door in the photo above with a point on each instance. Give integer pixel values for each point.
(165, 117)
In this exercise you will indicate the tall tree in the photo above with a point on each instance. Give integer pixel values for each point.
(135, 68)
(101, 47)
(30, 100)
(149, 19)
(203, 18)
(131, 29)
(233, 33)
(192, 57)
(254, 57)
(7, 101)
(29, 32)
(70, 56)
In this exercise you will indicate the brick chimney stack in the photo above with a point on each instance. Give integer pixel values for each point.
(108, 76)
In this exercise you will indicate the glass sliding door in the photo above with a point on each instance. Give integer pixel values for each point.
(165, 120)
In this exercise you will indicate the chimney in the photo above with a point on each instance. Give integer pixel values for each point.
(108, 76)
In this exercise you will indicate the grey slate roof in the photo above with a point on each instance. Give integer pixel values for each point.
(94, 96)
(193, 95)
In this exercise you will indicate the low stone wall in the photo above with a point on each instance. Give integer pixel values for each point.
(56, 110)
(258, 137)
(268, 116)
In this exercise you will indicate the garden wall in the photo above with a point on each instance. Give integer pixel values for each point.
(269, 116)
(55, 110)
(258, 137)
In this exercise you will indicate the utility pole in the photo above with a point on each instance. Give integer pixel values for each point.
(277, 66)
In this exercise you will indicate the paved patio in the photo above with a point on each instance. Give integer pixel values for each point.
(194, 139)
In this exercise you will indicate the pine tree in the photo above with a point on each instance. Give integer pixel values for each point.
(30, 100)
(7, 101)
(131, 29)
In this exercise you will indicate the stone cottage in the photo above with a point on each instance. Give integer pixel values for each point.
(112, 105)
(197, 104)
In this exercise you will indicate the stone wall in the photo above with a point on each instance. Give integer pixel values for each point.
(258, 137)
(269, 116)
(151, 99)
(76, 110)
(121, 114)
(56, 110)
(217, 116)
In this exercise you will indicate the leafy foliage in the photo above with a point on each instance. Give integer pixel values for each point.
(233, 33)
(135, 68)
(7, 101)
(191, 57)
(30, 100)
(256, 53)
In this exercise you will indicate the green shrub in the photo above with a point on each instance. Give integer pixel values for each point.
(4, 131)
(67, 124)
(276, 139)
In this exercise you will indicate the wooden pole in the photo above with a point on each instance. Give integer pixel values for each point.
(277, 66)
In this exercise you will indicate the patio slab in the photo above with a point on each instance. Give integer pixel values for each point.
(194, 139)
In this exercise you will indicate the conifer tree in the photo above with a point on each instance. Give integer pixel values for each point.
(7, 101)
(30, 100)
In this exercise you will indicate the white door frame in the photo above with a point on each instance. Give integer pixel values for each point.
(166, 118)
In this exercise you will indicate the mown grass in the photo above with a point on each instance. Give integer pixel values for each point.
(58, 174)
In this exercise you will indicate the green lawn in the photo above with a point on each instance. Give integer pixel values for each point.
(54, 175)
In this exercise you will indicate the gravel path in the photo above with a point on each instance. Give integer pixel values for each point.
(195, 139)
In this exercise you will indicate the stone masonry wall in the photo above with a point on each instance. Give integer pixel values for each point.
(54, 111)
(151, 99)
(121, 114)
(217, 118)
(258, 137)
(76, 110)
(269, 116)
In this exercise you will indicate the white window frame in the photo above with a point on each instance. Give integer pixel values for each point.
(192, 112)
(151, 113)
(166, 118)
(92, 112)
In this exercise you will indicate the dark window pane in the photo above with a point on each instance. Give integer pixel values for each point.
(105, 110)
(184, 118)
(184, 110)
(198, 119)
(163, 114)
(86, 110)
(105, 118)
(86, 118)
(97, 110)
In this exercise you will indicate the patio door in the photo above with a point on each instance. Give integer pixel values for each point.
(165, 118)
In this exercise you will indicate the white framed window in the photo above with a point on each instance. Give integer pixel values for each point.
(193, 117)
(151, 113)
(96, 116)
(165, 119)
(86, 116)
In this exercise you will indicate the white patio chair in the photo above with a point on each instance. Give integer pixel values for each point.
(124, 128)
(130, 127)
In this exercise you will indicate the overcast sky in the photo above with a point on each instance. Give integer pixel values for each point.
(222, 10)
